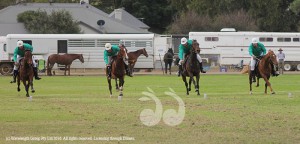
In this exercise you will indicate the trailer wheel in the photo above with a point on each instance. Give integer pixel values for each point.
(287, 67)
(298, 67)
(6, 69)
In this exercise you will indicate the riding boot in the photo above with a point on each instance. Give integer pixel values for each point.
(14, 76)
(35, 72)
(179, 70)
(253, 76)
(127, 70)
(201, 68)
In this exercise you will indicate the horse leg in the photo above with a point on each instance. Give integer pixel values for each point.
(69, 67)
(190, 84)
(26, 87)
(121, 84)
(166, 67)
(109, 86)
(250, 82)
(170, 65)
(268, 84)
(197, 84)
(117, 87)
(186, 84)
(18, 81)
(50, 69)
(31, 85)
(65, 70)
(257, 82)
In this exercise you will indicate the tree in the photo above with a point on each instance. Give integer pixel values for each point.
(58, 22)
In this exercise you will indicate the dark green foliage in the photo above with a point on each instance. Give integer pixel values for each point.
(58, 22)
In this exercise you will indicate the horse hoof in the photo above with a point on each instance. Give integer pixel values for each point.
(19, 90)
(250, 93)
(32, 91)
(110, 96)
(273, 93)
(27, 95)
(189, 89)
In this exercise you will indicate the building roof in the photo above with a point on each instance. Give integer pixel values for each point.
(124, 16)
(85, 14)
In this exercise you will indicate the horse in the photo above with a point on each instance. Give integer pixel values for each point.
(26, 73)
(65, 59)
(118, 71)
(133, 56)
(168, 59)
(263, 70)
(192, 68)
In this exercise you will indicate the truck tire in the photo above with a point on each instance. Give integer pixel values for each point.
(6, 69)
(287, 67)
(298, 67)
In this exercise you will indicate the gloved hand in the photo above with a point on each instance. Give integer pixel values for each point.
(254, 57)
(180, 62)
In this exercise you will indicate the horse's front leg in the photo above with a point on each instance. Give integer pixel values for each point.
(250, 82)
(257, 82)
(26, 87)
(117, 86)
(121, 84)
(170, 65)
(166, 68)
(69, 67)
(267, 84)
(109, 86)
(186, 84)
(197, 86)
(18, 82)
(65, 70)
(31, 85)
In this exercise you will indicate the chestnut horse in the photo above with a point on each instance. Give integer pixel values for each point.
(65, 59)
(192, 68)
(118, 71)
(26, 72)
(133, 56)
(263, 70)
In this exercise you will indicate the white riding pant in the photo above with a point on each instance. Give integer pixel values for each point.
(252, 63)
(18, 61)
(198, 58)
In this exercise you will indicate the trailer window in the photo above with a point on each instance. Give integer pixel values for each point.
(62, 46)
(296, 39)
(27, 41)
(284, 39)
(4, 47)
(266, 39)
(211, 39)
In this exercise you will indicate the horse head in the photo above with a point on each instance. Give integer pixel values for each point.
(122, 53)
(195, 46)
(272, 57)
(81, 58)
(145, 52)
(28, 57)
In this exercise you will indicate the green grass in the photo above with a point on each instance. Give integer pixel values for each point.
(80, 106)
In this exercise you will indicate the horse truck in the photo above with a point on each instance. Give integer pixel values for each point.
(6, 64)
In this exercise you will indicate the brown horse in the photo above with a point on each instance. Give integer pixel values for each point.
(264, 70)
(26, 72)
(65, 59)
(192, 68)
(168, 59)
(118, 71)
(133, 56)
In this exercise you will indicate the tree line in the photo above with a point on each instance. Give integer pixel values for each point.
(182, 16)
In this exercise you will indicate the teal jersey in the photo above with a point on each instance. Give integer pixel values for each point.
(115, 49)
(258, 51)
(20, 52)
(183, 50)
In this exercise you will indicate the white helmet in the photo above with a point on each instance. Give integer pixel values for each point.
(254, 40)
(107, 46)
(20, 43)
(183, 40)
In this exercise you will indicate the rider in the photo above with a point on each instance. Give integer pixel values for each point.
(109, 52)
(257, 49)
(184, 48)
(18, 55)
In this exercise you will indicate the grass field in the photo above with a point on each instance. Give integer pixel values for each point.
(79, 108)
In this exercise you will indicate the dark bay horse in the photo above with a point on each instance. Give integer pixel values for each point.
(192, 68)
(264, 70)
(65, 59)
(118, 71)
(168, 59)
(26, 72)
(133, 56)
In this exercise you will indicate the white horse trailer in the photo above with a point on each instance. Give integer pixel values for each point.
(230, 48)
(90, 45)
